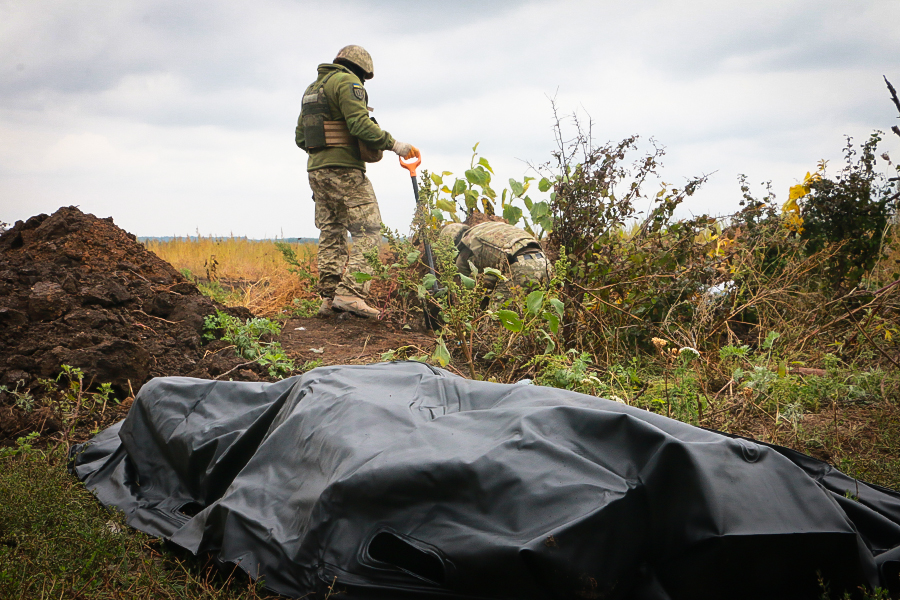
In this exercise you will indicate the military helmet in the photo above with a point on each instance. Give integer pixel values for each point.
(359, 57)
(454, 231)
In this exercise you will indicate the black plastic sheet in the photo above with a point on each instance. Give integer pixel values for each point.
(400, 480)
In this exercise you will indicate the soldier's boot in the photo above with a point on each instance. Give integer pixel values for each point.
(354, 305)
(325, 310)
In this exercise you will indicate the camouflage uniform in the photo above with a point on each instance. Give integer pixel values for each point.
(506, 248)
(345, 200)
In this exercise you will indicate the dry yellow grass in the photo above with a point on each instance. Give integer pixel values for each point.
(237, 259)
(255, 270)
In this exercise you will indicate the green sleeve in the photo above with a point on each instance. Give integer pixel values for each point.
(357, 115)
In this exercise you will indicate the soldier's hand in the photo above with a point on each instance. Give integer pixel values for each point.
(405, 150)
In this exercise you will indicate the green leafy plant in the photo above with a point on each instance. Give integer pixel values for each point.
(474, 193)
(304, 307)
(300, 266)
(850, 211)
(251, 339)
(22, 398)
(23, 445)
(570, 371)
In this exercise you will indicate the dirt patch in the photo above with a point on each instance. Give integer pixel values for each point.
(345, 339)
(77, 290)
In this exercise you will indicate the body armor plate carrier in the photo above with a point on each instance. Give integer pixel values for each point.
(319, 131)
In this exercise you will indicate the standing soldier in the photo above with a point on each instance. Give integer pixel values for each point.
(501, 246)
(335, 129)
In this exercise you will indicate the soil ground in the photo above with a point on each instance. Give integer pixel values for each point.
(345, 339)
(78, 290)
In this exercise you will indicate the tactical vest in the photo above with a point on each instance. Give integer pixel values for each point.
(493, 244)
(319, 130)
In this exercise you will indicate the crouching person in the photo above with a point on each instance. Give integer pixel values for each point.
(507, 248)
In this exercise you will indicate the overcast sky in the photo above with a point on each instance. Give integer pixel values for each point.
(175, 117)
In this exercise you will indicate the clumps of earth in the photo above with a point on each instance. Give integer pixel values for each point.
(78, 290)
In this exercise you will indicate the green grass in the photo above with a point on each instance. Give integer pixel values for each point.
(56, 541)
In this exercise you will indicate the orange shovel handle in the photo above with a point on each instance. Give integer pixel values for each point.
(412, 165)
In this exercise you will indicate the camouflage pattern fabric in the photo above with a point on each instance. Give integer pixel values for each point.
(359, 57)
(530, 268)
(494, 244)
(345, 201)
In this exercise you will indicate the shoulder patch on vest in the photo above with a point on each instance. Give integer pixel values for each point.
(358, 91)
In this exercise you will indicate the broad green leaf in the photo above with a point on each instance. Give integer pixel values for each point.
(459, 186)
(550, 343)
(471, 199)
(467, 281)
(444, 204)
(510, 320)
(512, 214)
(441, 354)
(517, 188)
(445, 189)
(528, 203)
(494, 272)
(478, 176)
(484, 162)
(558, 305)
(473, 269)
(445, 173)
(437, 214)
(534, 301)
(412, 257)
(428, 281)
(437, 179)
(552, 320)
(421, 291)
(539, 209)
(544, 184)
(361, 277)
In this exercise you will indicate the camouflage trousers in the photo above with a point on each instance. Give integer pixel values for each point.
(529, 269)
(345, 202)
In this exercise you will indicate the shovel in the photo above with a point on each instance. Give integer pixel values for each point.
(411, 166)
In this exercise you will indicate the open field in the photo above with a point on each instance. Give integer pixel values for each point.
(780, 323)
(240, 272)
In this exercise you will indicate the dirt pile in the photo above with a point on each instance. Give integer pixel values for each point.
(80, 291)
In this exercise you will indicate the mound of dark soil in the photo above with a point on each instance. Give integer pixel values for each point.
(80, 291)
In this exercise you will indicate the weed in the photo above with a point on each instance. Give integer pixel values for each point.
(23, 399)
(248, 340)
(310, 365)
(569, 371)
(303, 307)
(300, 265)
(23, 445)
